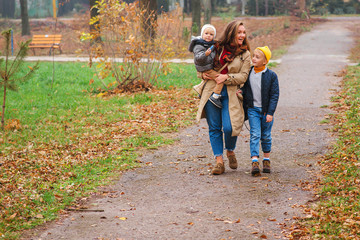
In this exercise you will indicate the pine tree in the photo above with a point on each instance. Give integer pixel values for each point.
(9, 69)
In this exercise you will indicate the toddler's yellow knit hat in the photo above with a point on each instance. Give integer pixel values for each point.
(266, 52)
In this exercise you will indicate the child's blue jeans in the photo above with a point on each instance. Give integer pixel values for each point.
(259, 130)
(219, 123)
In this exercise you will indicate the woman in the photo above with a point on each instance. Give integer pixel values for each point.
(233, 55)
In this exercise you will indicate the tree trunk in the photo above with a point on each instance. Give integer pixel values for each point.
(66, 6)
(187, 7)
(149, 18)
(196, 16)
(3, 107)
(243, 6)
(207, 11)
(301, 4)
(257, 7)
(25, 27)
(7, 8)
(163, 5)
(266, 7)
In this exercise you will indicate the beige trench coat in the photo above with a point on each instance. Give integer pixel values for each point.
(238, 71)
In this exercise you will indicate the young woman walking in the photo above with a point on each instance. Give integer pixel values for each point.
(233, 57)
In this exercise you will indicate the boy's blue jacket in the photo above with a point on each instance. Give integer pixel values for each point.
(269, 92)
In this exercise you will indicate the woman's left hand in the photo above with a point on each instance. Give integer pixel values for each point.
(221, 78)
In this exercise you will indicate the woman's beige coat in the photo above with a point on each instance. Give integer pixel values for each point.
(238, 71)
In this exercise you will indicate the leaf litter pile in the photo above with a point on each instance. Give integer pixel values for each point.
(39, 181)
(336, 213)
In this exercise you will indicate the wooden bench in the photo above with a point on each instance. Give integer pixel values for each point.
(46, 41)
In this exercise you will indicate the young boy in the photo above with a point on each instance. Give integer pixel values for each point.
(261, 95)
(204, 54)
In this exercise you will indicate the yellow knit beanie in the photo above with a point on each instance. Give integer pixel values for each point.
(266, 52)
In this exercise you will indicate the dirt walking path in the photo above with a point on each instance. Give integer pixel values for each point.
(173, 196)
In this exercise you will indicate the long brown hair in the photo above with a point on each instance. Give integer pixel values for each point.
(227, 40)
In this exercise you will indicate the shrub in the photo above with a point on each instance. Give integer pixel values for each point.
(338, 11)
(286, 24)
(350, 10)
(135, 44)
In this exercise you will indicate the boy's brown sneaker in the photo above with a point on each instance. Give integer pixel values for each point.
(255, 169)
(232, 161)
(266, 166)
(218, 169)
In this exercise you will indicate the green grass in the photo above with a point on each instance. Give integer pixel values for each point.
(279, 52)
(44, 108)
(71, 141)
(336, 215)
(272, 65)
(324, 121)
(181, 75)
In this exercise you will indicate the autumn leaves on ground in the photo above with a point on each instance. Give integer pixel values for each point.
(335, 213)
(63, 139)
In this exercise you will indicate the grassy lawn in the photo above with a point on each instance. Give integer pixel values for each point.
(62, 140)
(336, 214)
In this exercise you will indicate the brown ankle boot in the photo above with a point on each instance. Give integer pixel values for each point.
(255, 169)
(232, 161)
(266, 166)
(218, 169)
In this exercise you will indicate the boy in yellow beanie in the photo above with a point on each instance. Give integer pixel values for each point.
(261, 95)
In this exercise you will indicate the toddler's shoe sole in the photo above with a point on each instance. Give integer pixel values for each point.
(216, 102)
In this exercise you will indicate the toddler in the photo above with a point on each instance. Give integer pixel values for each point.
(204, 54)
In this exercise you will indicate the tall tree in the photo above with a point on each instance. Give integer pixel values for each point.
(266, 7)
(257, 7)
(149, 18)
(187, 7)
(207, 11)
(7, 8)
(65, 6)
(163, 5)
(196, 16)
(303, 12)
(25, 27)
(243, 6)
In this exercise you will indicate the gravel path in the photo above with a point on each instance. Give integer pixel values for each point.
(173, 196)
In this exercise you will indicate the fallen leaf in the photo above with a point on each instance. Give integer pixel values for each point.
(123, 218)
(285, 130)
(12, 216)
(190, 223)
(263, 236)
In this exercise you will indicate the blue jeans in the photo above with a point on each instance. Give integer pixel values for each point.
(259, 130)
(219, 123)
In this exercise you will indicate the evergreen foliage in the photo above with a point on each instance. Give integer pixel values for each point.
(9, 69)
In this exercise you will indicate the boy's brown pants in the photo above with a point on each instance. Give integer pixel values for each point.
(212, 73)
